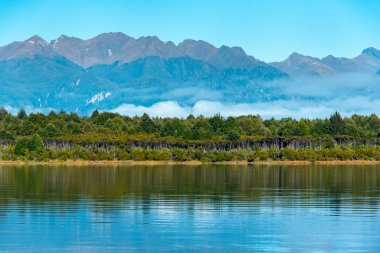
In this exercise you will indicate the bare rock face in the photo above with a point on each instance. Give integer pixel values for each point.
(102, 49)
(108, 48)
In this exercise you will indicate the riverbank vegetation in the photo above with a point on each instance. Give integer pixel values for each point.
(110, 136)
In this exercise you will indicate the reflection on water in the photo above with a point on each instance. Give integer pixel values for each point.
(190, 208)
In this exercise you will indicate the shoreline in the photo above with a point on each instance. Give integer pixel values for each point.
(82, 163)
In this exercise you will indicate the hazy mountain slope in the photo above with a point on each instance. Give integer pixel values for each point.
(224, 57)
(37, 80)
(113, 69)
(370, 57)
(110, 47)
(300, 65)
(51, 82)
(345, 65)
(152, 79)
(28, 48)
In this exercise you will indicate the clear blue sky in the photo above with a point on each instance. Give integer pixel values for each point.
(267, 29)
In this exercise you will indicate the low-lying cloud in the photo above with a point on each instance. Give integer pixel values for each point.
(333, 86)
(277, 109)
(307, 97)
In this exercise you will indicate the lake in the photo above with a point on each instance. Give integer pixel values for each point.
(208, 208)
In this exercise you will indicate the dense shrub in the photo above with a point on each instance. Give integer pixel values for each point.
(28, 144)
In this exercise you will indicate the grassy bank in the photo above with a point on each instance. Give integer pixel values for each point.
(81, 163)
(91, 153)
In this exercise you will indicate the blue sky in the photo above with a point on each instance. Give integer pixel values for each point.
(267, 29)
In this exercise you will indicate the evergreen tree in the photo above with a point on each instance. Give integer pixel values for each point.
(147, 125)
(21, 114)
(336, 124)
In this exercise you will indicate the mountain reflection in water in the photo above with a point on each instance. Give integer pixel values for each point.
(190, 208)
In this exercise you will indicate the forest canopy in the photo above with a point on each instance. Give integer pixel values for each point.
(63, 124)
(110, 136)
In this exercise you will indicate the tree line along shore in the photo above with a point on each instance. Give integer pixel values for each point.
(61, 136)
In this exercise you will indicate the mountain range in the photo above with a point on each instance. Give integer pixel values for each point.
(296, 64)
(113, 68)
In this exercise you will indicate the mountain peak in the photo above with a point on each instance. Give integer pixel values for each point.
(329, 57)
(65, 37)
(235, 50)
(298, 56)
(299, 64)
(37, 40)
(371, 51)
(191, 42)
(150, 39)
(112, 36)
(31, 47)
(295, 54)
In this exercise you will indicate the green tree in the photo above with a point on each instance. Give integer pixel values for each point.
(233, 135)
(201, 129)
(147, 125)
(320, 127)
(374, 123)
(175, 128)
(50, 130)
(94, 114)
(26, 128)
(6, 136)
(301, 128)
(116, 124)
(28, 144)
(336, 124)
(252, 125)
(3, 113)
(21, 114)
(217, 123)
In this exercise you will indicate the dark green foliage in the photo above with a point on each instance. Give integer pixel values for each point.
(28, 144)
(21, 114)
(175, 128)
(233, 135)
(336, 124)
(147, 125)
(3, 113)
(192, 128)
(252, 125)
(202, 130)
(5, 135)
(116, 124)
(26, 127)
(217, 123)
(51, 130)
(94, 115)
(195, 138)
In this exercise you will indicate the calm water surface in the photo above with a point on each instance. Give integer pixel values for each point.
(190, 208)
